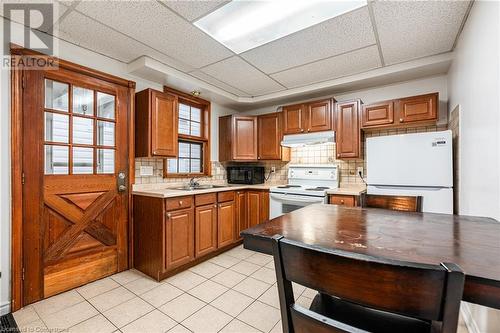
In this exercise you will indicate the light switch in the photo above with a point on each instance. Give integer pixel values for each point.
(146, 170)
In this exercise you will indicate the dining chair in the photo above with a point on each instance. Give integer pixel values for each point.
(392, 202)
(360, 293)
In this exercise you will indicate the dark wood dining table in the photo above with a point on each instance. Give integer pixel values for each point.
(473, 243)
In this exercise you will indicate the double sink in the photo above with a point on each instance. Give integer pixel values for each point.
(198, 187)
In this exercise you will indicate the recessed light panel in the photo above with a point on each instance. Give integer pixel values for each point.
(244, 25)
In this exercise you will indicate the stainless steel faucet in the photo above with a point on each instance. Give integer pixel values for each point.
(193, 183)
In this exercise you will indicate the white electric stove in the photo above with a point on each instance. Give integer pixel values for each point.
(307, 184)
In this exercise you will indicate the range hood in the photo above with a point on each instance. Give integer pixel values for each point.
(300, 140)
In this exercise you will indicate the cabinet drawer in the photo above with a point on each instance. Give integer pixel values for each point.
(225, 196)
(179, 203)
(344, 200)
(205, 199)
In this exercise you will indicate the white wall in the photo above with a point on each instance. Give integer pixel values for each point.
(83, 57)
(392, 91)
(473, 83)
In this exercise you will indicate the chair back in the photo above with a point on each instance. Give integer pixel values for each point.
(427, 292)
(392, 202)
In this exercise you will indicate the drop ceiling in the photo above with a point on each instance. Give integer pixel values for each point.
(383, 34)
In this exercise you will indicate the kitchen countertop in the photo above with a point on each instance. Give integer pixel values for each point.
(169, 192)
(348, 190)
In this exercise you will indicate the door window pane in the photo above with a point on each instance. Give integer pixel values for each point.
(56, 160)
(105, 161)
(83, 160)
(56, 95)
(105, 133)
(83, 101)
(83, 130)
(56, 127)
(105, 105)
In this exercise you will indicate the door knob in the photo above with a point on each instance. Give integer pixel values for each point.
(121, 181)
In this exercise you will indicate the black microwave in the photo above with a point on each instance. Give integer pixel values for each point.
(245, 174)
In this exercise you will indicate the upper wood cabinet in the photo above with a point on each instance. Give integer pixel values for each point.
(319, 116)
(237, 138)
(403, 112)
(251, 138)
(156, 121)
(348, 136)
(377, 114)
(308, 117)
(294, 119)
(417, 108)
(270, 135)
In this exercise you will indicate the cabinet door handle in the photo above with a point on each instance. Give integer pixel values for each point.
(169, 215)
(215, 206)
(180, 202)
(342, 201)
(302, 130)
(308, 129)
(258, 157)
(401, 120)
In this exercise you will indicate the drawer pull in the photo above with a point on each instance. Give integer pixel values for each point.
(180, 202)
(342, 201)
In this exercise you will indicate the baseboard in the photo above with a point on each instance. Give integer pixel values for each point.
(4, 308)
(468, 319)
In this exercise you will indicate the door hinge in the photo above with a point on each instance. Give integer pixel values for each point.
(22, 277)
(22, 178)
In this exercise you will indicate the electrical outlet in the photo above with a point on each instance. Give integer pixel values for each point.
(360, 171)
(146, 170)
(273, 169)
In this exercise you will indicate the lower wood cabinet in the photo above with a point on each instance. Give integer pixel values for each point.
(241, 212)
(179, 238)
(206, 229)
(343, 200)
(226, 223)
(258, 207)
(172, 234)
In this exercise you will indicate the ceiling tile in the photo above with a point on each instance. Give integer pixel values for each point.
(239, 74)
(414, 29)
(207, 78)
(338, 35)
(191, 10)
(160, 28)
(331, 68)
(81, 30)
(58, 8)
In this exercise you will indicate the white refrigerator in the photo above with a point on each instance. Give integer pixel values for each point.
(418, 164)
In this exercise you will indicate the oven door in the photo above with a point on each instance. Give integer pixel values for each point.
(281, 203)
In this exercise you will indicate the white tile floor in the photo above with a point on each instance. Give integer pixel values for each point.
(233, 292)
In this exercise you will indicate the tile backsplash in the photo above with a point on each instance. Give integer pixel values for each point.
(313, 154)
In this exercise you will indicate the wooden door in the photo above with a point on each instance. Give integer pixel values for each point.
(244, 138)
(164, 122)
(205, 229)
(241, 213)
(226, 217)
(319, 116)
(293, 119)
(348, 131)
(269, 133)
(377, 114)
(253, 208)
(418, 108)
(75, 156)
(179, 238)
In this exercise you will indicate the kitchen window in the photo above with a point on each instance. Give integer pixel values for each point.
(194, 139)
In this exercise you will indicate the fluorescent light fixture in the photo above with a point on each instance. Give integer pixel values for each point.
(243, 25)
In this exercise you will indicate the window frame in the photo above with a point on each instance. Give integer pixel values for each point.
(203, 139)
